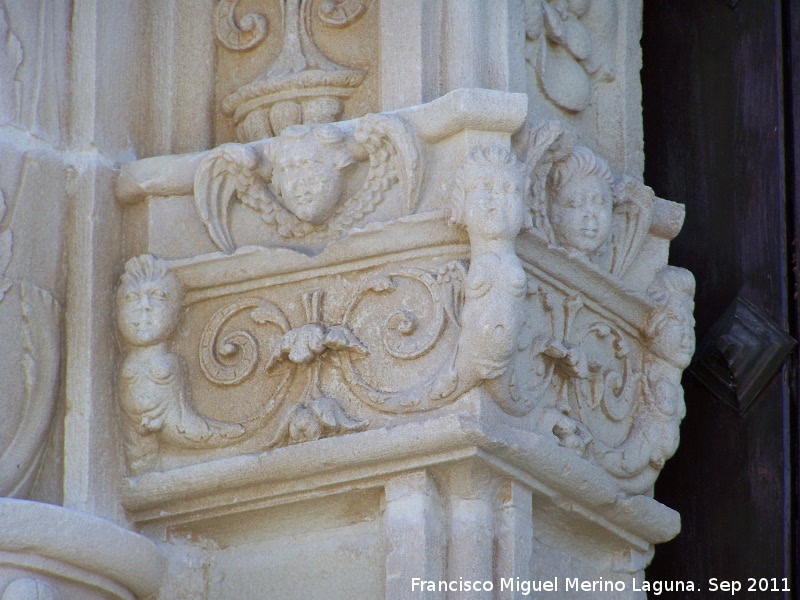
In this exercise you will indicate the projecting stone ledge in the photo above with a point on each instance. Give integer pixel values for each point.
(509, 495)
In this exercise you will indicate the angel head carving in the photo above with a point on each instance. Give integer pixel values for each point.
(580, 191)
(670, 328)
(487, 195)
(308, 165)
(148, 302)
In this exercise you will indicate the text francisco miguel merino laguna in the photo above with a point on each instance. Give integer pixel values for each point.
(557, 584)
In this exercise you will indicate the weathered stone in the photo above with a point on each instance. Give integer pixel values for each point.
(401, 315)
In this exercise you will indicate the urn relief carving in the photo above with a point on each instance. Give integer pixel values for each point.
(302, 85)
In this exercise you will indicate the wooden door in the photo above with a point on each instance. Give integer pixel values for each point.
(721, 99)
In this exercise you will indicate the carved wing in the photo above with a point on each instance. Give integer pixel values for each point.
(545, 144)
(394, 157)
(633, 214)
(226, 172)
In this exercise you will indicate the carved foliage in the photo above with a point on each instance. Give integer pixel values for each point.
(230, 358)
(298, 185)
(618, 403)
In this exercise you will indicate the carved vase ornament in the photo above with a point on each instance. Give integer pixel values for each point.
(302, 86)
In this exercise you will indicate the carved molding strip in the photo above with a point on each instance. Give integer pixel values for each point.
(740, 354)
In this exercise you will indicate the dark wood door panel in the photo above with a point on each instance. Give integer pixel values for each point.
(714, 102)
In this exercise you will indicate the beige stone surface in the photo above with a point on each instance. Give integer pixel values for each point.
(331, 298)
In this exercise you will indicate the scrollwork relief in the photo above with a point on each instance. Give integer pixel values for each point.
(230, 358)
(487, 200)
(647, 403)
(298, 184)
(317, 414)
(238, 33)
(302, 86)
(155, 394)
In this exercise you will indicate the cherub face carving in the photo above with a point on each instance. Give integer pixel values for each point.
(488, 195)
(671, 327)
(148, 300)
(581, 202)
(307, 170)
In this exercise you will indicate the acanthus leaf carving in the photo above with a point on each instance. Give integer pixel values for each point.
(317, 414)
(238, 33)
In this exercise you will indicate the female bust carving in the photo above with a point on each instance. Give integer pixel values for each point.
(487, 200)
(154, 393)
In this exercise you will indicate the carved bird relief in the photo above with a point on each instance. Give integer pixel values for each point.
(297, 181)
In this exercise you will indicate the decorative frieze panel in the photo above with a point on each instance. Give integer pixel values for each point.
(381, 292)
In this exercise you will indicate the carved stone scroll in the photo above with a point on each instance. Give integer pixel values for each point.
(302, 86)
(238, 33)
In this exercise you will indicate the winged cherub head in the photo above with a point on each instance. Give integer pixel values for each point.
(308, 164)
